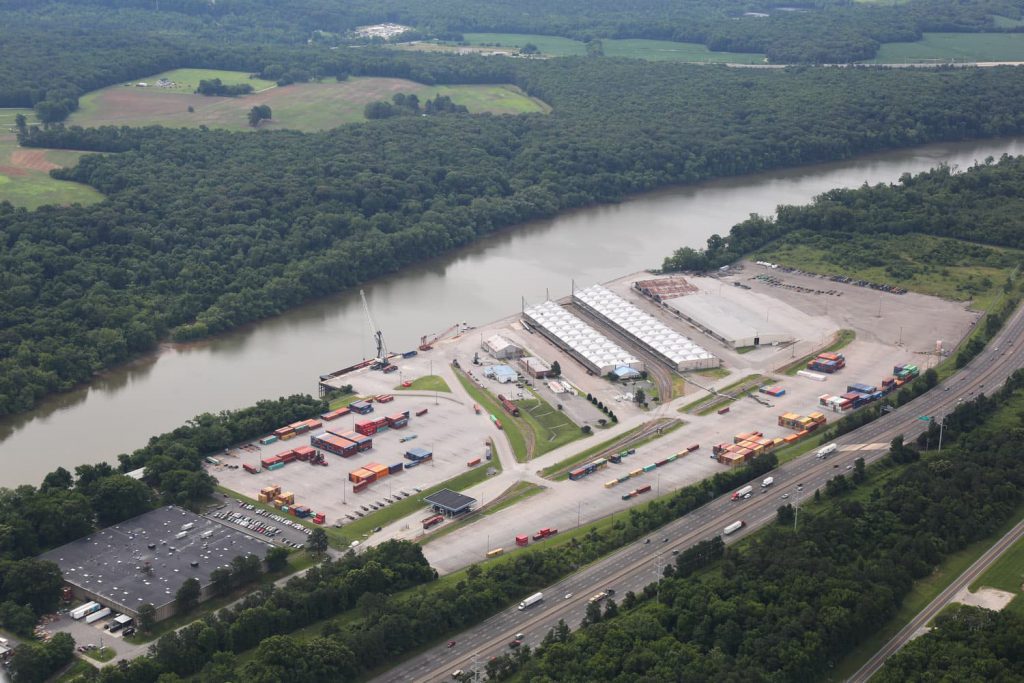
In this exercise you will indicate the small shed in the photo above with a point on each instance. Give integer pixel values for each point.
(625, 372)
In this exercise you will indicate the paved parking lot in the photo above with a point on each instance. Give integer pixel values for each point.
(274, 527)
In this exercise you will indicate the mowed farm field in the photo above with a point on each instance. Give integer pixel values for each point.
(554, 46)
(303, 106)
(25, 172)
(970, 47)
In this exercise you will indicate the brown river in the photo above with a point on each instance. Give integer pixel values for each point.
(119, 411)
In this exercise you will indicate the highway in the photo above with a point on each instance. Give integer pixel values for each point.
(640, 563)
(923, 617)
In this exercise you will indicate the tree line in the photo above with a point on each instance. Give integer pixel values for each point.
(984, 204)
(791, 602)
(203, 231)
(402, 104)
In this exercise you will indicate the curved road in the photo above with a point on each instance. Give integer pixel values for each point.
(872, 666)
(640, 563)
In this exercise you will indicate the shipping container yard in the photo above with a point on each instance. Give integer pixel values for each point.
(398, 441)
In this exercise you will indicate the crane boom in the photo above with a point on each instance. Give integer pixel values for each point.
(378, 336)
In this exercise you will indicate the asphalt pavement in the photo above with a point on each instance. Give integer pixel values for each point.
(638, 564)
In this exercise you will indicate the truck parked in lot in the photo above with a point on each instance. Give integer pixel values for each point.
(532, 600)
(768, 481)
(544, 533)
(84, 610)
(743, 492)
(96, 616)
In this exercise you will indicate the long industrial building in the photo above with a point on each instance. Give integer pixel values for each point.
(678, 352)
(728, 320)
(146, 559)
(581, 341)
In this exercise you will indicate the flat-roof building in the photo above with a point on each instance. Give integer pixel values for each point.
(146, 559)
(597, 352)
(450, 503)
(678, 352)
(728, 320)
(535, 367)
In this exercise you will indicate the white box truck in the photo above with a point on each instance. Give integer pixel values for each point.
(96, 616)
(768, 481)
(826, 451)
(532, 600)
(734, 527)
(82, 610)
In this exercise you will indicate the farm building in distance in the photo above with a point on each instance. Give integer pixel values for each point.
(581, 341)
(672, 348)
(146, 559)
(501, 348)
(728, 320)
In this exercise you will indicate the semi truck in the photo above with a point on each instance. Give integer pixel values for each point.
(826, 451)
(743, 492)
(734, 527)
(532, 600)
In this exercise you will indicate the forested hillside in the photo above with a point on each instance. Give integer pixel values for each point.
(965, 644)
(788, 604)
(985, 204)
(206, 230)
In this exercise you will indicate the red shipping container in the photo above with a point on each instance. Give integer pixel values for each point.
(522, 539)
(361, 486)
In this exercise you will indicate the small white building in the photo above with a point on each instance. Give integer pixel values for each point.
(502, 348)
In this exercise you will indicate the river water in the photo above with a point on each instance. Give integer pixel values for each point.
(483, 282)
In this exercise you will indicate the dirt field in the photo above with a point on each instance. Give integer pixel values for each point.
(32, 159)
(303, 106)
(989, 598)
(25, 179)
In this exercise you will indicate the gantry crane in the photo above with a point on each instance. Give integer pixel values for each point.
(378, 337)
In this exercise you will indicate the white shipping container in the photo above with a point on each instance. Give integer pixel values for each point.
(96, 616)
(82, 610)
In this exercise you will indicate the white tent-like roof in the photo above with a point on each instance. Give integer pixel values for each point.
(576, 336)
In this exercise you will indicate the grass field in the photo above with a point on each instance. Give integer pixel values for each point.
(551, 428)
(428, 383)
(25, 172)
(104, 654)
(971, 47)
(303, 106)
(490, 405)
(554, 46)
(938, 266)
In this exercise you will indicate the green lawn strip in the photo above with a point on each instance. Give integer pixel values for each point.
(427, 383)
(80, 670)
(513, 495)
(924, 591)
(343, 401)
(724, 390)
(588, 453)
(668, 428)
(844, 339)
(545, 420)
(490, 405)
(298, 560)
(678, 385)
(1007, 573)
(359, 529)
(104, 654)
(713, 374)
(654, 50)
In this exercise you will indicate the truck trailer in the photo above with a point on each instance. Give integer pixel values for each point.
(743, 492)
(532, 600)
(734, 527)
(96, 616)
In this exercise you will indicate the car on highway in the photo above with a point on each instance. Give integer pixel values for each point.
(457, 673)
(514, 643)
(451, 643)
(520, 636)
(568, 595)
(785, 496)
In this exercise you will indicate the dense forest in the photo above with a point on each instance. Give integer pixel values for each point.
(140, 37)
(205, 230)
(983, 204)
(793, 600)
(965, 644)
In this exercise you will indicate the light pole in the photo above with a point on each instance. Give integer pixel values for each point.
(579, 510)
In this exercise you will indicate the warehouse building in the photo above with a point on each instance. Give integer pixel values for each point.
(581, 341)
(146, 559)
(504, 374)
(728, 320)
(678, 352)
(501, 348)
(535, 367)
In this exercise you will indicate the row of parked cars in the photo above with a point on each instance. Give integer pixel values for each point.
(280, 519)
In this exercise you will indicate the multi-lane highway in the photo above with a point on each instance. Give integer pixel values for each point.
(636, 565)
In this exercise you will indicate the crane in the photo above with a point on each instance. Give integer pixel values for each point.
(378, 336)
(427, 341)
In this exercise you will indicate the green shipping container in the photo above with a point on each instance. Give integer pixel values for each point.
(624, 477)
(648, 468)
(276, 466)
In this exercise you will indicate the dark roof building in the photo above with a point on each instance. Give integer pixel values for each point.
(450, 503)
(146, 559)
